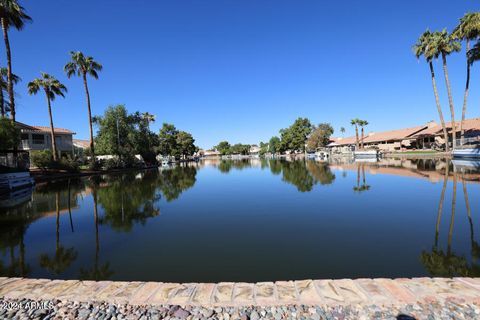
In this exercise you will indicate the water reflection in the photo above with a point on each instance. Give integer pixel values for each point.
(69, 229)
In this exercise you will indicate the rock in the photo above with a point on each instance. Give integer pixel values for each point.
(254, 315)
(181, 313)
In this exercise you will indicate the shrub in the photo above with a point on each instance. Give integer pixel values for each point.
(68, 164)
(42, 159)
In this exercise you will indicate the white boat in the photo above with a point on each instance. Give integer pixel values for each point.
(472, 153)
(365, 154)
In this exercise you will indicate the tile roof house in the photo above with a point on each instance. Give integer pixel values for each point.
(39, 138)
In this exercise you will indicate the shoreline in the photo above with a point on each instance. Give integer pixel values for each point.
(379, 298)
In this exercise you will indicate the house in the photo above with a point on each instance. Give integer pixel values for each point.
(209, 153)
(35, 138)
(79, 147)
(434, 136)
(395, 140)
(254, 150)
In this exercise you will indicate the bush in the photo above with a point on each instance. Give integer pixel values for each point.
(42, 159)
(68, 164)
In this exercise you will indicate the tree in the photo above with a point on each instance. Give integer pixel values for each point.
(116, 131)
(52, 88)
(342, 130)
(468, 29)
(320, 136)
(81, 66)
(239, 148)
(224, 148)
(362, 124)
(263, 148)
(444, 44)
(423, 47)
(9, 135)
(186, 144)
(11, 15)
(274, 145)
(148, 118)
(168, 140)
(294, 137)
(5, 104)
(355, 122)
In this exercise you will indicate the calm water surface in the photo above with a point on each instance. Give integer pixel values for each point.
(249, 220)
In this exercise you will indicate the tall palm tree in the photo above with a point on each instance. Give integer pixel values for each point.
(148, 118)
(445, 44)
(355, 122)
(362, 124)
(5, 105)
(82, 66)
(342, 130)
(52, 88)
(468, 29)
(11, 15)
(423, 48)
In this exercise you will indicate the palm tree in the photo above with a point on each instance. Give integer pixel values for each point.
(148, 118)
(362, 124)
(342, 130)
(468, 30)
(423, 48)
(5, 105)
(11, 15)
(81, 65)
(445, 44)
(355, 122)
(52, 88)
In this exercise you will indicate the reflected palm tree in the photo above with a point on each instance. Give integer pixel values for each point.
(364, 186)
(447, 264)
(63, 257)
(101, 272)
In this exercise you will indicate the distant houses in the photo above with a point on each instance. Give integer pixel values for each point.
(424, 137)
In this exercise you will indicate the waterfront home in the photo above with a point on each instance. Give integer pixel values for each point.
(209, 153)
(36, 138)
(79, 147)
(396, 140)
(254, 150)
(434, 134)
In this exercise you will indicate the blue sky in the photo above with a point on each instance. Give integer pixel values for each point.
(241, 70)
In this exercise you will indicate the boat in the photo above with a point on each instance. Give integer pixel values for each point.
(468, 153)
(15, 180)
(366, 154)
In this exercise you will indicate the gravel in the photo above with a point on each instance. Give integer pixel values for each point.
(54, 309)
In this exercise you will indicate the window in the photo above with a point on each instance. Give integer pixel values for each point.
(38, 139)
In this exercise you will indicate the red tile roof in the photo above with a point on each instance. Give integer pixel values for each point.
(396, 135)
(468, 125)
(43, 129)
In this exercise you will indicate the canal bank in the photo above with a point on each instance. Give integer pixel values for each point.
(315, 299)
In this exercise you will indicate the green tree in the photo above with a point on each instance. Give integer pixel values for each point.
(342, 130)
(355, 122)
(9, 135)
(52, 88)
(264, 147)
(320, 136)
(168, 140)
(186, 144)
(81, 65)
(224, 148)
(116, 131)
(173, 182)
(274, 145)
(239, 148)
(11, 15)
(423, 47)
(5, 104)
(468, 29)
(444, 44)
(144, 139)
(294, 137)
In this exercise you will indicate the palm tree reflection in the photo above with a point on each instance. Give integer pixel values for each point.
(63, 257)
(364, 186)
(448, 264)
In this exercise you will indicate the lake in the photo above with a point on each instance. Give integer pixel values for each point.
(249, 220)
